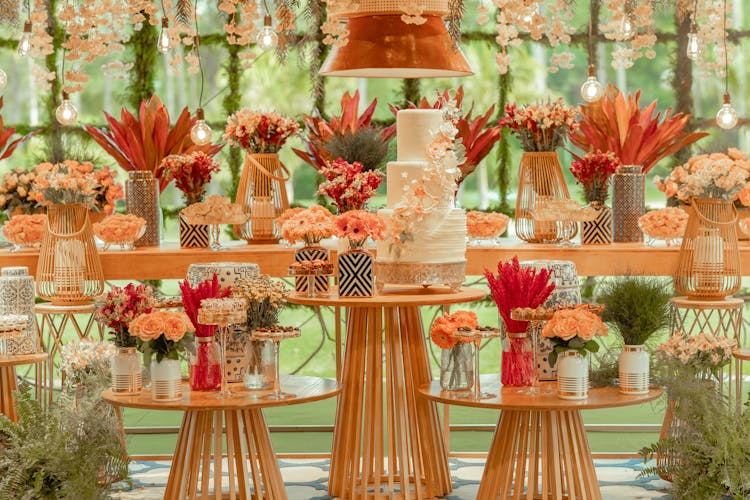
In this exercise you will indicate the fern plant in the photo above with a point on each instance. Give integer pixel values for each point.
(636, 307)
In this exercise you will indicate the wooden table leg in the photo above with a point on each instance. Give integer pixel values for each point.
(7, 388)
(554, 440)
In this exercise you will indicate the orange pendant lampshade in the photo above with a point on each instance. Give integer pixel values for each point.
(383, 46)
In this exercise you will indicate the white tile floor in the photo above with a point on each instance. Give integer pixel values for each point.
(307, 480)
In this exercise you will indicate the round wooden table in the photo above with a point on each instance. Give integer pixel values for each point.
(8, 380)
(240, 419)
(540, 448)
(404, 427)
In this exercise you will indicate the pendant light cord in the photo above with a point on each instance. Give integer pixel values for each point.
(591, 37)
(726, 52)
(198, 52)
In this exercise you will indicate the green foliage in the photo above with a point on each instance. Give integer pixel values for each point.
(364, 145)
(166, 349)
(712, 447)
(636, 307)
(605, 368)
(59, 452)
(141, 85)
(583, 347)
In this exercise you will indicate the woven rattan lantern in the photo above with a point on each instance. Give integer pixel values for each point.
(709, 265)
(262, 191)
(69, 271)
(539, 176)
(381, 45)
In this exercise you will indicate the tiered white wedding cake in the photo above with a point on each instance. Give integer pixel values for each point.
(426, 241)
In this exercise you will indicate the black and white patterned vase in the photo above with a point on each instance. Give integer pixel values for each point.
(356, 276)
(599, 230)
(17, 296)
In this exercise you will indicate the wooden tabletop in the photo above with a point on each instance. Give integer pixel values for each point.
(169, 261)
(305, 389)
(742, 353)
(22, 359)
(512, 398)
(395, 296)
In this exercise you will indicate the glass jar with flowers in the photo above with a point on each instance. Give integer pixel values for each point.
(518, 287)
(594, 171)
(572, 333)
(456, 352)
(709, 263)
(261, 189)
(116, 310)
(192, 173)
(310, 226)
(69, 270)
(542, 129)
(205, 364)
(265, 298)
(163, 335)
(356, 277)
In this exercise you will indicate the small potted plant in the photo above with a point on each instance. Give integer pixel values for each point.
(118, 308)
(636, 307)
(356, 276)
(162, 337)
(572, 331)
(456, 355)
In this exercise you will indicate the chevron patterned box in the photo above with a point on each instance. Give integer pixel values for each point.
(193, 235)
(311, 253)
(355, 274)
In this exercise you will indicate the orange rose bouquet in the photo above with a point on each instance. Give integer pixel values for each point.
(162, 333)
(574, 329)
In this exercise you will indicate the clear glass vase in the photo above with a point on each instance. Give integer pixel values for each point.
(205, 366)
(260, 369)
(517, 367)
(456, 367)
(125, 368)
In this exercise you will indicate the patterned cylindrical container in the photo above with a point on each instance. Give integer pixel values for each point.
(17, 295)
(142, 199)
(628, 203)
(567, 292)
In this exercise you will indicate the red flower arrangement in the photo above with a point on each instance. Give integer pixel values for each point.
(191, 172)
(593, 171)
(518, 287)
(444, 328)
(120, 306)
(347, 185)
(358, 225)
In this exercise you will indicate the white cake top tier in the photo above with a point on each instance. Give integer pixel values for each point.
(414, 132)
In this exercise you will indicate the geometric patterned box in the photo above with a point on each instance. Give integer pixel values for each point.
(356, 277)
(17, 295)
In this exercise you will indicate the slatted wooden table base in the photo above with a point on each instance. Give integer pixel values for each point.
(387, 442)
(8, 380)
(540, 448)
(232, 433)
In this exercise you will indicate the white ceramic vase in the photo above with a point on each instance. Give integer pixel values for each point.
(125, 368)
(634, 370)
(572, 375)
(166, 380)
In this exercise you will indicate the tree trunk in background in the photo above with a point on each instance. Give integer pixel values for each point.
(231, 103)
(141, 85)
(410, 91)
(682, 79)
(55, 136)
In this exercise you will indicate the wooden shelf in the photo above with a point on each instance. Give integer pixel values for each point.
(169, 261)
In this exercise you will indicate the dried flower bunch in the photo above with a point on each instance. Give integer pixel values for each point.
(25, 230)
(358, 225)
(701, 355)
(715, 175)
(516, 286)
(485, 224)
(192, 298)
(632, 25)
(444, 328)
(473, 134)
(120, 306)
(309, 225)
(635, 135)
(80, 358)
(320, 132)
(573, 329)
(162, 333)
(259, 132)
(191, 173)
(542, 126)
(66, 182)
(348, 185)
(265, 297)
(664, 224)
(708, 18)
(593, 171)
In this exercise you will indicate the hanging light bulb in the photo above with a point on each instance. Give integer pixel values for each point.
(726, 118)
(592, 90)
(200, 134)
(267, 38)
(163, 44)
(626, 27)
(24, 44)
(66, 113)
(693, 44)
(3, 79)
